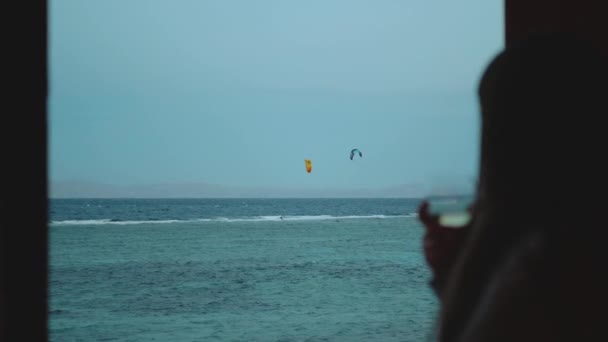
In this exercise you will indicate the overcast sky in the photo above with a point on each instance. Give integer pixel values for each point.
(239, 93)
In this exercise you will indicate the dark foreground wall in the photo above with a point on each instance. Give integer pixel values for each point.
(587, 18)
(23, 173)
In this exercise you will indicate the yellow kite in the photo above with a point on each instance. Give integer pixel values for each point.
(308, 165)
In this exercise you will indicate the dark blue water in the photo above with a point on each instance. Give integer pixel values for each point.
(238, 270)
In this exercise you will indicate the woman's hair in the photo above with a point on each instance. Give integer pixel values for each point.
(541, 154)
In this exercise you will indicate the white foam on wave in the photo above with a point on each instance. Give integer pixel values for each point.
(275, 218)
(108, 221)
(82, 222)
(303, 218)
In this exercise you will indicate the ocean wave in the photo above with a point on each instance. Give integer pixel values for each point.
(276, 218)
(110, 221)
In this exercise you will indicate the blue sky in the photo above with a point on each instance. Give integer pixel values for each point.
(239, 93)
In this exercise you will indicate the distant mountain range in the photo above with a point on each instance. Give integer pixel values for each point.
(85, 189)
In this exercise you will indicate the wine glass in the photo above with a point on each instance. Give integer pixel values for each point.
(450, 198)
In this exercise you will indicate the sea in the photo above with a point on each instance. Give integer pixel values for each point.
(238, 270)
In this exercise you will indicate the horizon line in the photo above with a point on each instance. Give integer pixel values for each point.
(329, 197)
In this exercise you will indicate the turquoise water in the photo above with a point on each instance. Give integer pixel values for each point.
(238, 270)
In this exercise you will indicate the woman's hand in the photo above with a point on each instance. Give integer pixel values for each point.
(441, 244)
